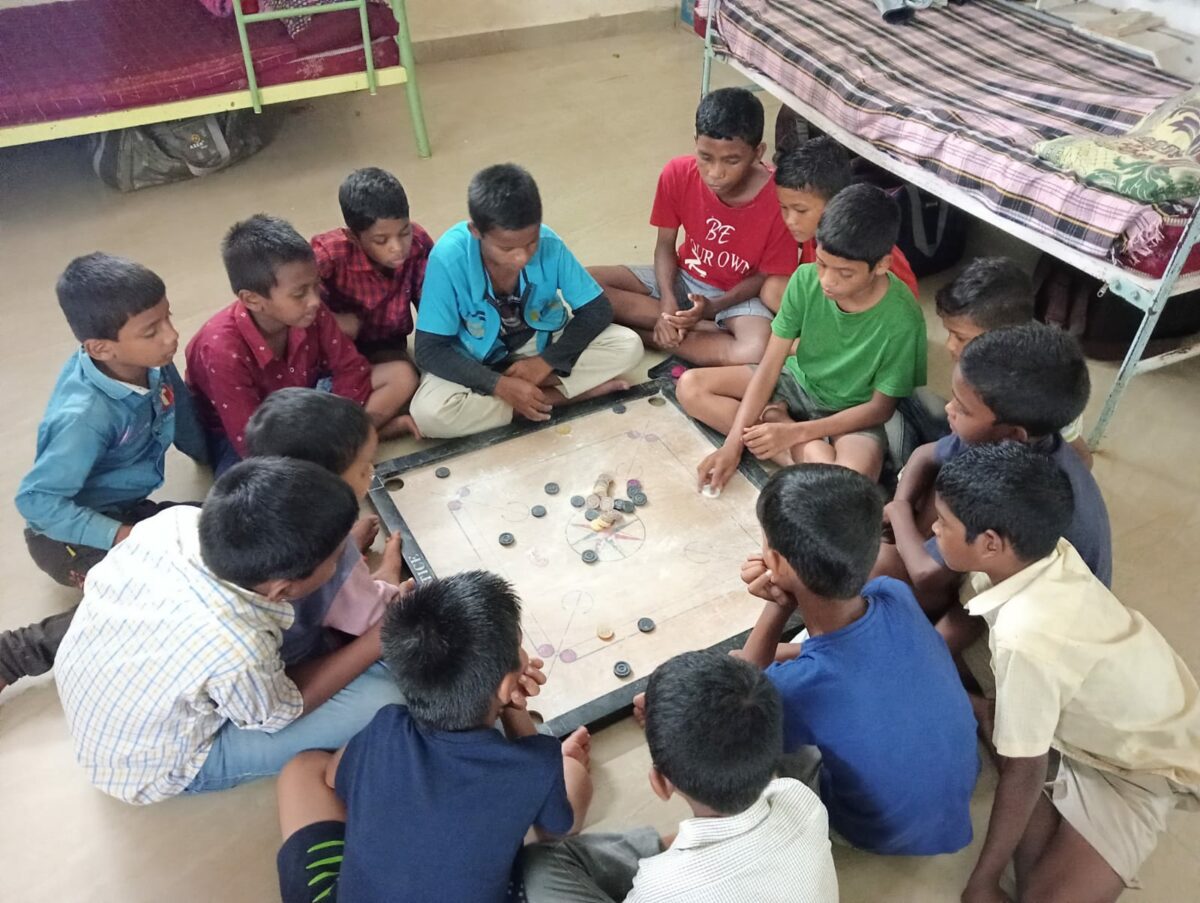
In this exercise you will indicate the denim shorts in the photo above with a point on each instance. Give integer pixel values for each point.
(687, 284)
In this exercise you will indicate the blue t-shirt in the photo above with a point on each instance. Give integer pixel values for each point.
(883, 702)
(438, 815)
(454, 298)
(1089, 531)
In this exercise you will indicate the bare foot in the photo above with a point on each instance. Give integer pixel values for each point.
(392, 562)
(578, 746)
(776, 412)
(403, 425)
(364, 531)
(613, 385)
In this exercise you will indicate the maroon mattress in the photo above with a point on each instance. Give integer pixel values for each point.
(94, 56)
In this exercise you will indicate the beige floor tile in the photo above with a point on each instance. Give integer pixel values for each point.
(594, 122)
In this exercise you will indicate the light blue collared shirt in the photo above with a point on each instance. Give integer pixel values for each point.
(102, 446)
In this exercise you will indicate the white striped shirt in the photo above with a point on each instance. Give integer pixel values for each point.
(161, 654)
(777, 850)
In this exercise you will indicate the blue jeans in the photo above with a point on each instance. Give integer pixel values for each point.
(240, 755)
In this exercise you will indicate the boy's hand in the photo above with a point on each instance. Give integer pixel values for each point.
(639, 709)
(768, 440)
(716, 469)
(983, 892)
(529, 683)
(666, 335)
(897, 511)
(123, 532)
(524, 397)
(685, 320)
(531, 369)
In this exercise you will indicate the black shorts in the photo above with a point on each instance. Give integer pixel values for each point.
(310, 861)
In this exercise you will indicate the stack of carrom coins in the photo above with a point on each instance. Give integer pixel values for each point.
(601, 501)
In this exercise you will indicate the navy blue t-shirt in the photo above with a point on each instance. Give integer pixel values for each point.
(440, 815)
(1089, 531)
(883, 702)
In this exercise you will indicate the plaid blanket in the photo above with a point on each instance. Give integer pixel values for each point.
(965, 92)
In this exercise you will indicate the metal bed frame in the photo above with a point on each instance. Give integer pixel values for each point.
(1147, 294)
(252, 96)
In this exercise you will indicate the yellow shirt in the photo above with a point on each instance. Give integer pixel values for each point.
(1078, 671)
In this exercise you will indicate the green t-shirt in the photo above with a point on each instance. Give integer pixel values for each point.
(843, 357)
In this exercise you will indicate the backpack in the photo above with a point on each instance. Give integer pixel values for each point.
(146, 155)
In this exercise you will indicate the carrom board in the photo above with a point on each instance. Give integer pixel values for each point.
(675, 560)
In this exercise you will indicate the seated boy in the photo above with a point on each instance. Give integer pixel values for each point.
(278, 334)
(117, 407)
(990, 293)
(715, 731)
(1022, 383)
(430, 801)
(872, 700)
(171, 677)
(372, 270)
(1087, 690)
(699, 299)
(336, 434)
(861, 348)
(495, 337)
(806, 179)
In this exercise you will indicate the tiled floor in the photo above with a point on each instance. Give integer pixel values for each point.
(594, 122)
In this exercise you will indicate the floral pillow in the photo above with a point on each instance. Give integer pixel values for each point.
(1157, 160)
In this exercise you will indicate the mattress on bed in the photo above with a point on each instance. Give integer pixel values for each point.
(59, 60)
(965, 92)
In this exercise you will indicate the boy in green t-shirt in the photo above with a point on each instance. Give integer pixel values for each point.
(861, 349)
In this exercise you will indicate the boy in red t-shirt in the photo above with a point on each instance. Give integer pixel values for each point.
(806, 179)
(700, 299)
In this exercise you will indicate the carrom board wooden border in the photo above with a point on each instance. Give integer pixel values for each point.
(617, 703)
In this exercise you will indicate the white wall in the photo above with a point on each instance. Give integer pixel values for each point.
(1181, 14)
(433, 19)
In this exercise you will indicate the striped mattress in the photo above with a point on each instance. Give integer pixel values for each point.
(965, 92)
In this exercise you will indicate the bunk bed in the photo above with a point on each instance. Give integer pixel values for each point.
(953, 102)
(75, 67)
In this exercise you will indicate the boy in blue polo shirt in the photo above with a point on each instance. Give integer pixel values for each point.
(510, 322)
(117, 407)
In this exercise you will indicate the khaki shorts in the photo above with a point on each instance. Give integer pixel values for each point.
(1120, 816)
(803, 407)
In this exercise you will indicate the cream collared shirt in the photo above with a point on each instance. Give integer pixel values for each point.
(1078, 671)
(777, 850)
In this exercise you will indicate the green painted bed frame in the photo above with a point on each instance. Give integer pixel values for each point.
(254, 97)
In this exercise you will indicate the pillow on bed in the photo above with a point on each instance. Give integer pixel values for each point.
(1157, 160)
(330, 31)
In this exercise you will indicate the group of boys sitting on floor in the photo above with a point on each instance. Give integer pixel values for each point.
(247, 637)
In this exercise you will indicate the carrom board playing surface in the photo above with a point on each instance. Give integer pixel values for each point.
(675, 560)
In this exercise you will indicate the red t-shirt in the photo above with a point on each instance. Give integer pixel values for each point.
(808, 254)
(722, 245)
(230, 369)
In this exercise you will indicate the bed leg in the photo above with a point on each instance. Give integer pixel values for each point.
(411, 89)
(706, 69)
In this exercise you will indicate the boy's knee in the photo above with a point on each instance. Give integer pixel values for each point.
(305, 768)
(690, 388)
(627, 348)
(746, 350)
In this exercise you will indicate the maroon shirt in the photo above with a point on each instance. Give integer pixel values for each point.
(353, 284)
(231, 369)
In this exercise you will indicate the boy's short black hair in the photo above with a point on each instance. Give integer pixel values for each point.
(98, 293)
(274, 519)
(1032, 376)
(256, 247)
(730, 114)
(505, 197)
(861, 223)
(371, 194)
(714, 725)
(309, 425)
(824, 520)
(450, 643)
(819, 166)
(1008, 487)
(991, 292)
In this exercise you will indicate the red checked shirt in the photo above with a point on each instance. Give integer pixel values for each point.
(722, 245)
(354, 285)
(231, 369)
